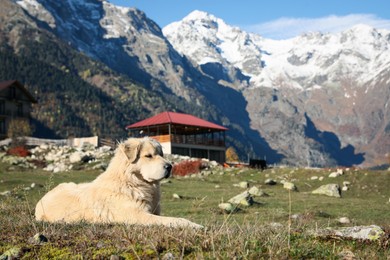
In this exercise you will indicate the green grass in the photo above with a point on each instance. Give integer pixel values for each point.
(246, 234)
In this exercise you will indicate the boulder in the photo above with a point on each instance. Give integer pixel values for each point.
(337, 173)
(290, 186)
(372, 232)
(270, 182)
(255, 191)
(244, 199)
(76, 157)
(331, 190)
(12, 253)
(37, 239)
(227, 207)
(243, 184)
(344, 220)
(176, 196)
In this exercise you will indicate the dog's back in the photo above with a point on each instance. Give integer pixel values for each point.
(61, 203)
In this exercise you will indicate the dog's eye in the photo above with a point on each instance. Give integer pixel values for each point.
(148, 156)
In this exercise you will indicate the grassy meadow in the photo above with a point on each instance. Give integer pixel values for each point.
(275, 227)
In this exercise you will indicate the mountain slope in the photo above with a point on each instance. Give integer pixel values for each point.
(76, 95)
(315, 100)
(131, 44)
(310, 97)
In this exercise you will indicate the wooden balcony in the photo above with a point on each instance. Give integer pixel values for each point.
(190, 139)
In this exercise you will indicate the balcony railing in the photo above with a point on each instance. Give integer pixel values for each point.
(190, 139)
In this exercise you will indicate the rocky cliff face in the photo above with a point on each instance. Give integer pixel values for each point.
(314, 100)
(311, 97)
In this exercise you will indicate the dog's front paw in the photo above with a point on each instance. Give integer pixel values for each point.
(187, 223)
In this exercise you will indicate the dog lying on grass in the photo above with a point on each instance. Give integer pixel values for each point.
(127, 192)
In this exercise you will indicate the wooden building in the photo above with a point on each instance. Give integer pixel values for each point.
(184, 134)
(15, 103)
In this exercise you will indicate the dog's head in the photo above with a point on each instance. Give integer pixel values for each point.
(146, 158)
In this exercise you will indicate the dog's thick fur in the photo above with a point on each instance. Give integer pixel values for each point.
(127, 192)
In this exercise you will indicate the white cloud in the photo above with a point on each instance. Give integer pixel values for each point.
(284, 28)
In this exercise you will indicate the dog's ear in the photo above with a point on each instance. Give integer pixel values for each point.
(131, 150)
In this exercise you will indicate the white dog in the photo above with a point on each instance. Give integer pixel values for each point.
(127, 192)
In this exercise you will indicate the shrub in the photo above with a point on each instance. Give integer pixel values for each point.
(187, 167)
(20, 151)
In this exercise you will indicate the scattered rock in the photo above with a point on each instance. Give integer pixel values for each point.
(313, 178)
(337, 173)
(346, 254)
(176, 196)
(5, 193)
(165, 181)
(244, 199)
(37, 239)
(270, 182)
(243, 184)
(114, 257)
(12, 253)
(372, 232)
(168, 256)
(331, 190)
(255, 191)
(217, 186)
(290, 186)
(346, 183)
(344, 220)
(75, 157)
(227, 207)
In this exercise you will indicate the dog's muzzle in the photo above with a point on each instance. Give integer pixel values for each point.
(168, 169)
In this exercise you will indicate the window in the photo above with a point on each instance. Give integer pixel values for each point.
(2, 126)
(19, 109)
(2, 107)
(12, 92)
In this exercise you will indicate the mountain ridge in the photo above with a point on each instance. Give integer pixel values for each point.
(316, 120)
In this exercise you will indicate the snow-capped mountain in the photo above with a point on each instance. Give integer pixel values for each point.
(300, 89)
(316, 99)
(305, 62)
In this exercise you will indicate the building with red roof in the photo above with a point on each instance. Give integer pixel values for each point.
(184, 134)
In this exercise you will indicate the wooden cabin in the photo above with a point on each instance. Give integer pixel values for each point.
(184, 134)
(15, 103)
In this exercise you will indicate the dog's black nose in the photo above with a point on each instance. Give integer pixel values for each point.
(168, 168)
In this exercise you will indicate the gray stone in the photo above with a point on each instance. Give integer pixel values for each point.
(227, 207)
(37, 239)
(372, 232)
(244, 199)
(76, 157)
(270, 182)
(12, 253)
(5, 193)
(255, 191)
(331, 190)
(243, 184)
(337, 173)
(344, 220)
(290, 186)
(176, 196)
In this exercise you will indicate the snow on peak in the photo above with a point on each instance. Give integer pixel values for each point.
(207, 39)
(199, 15)
(309, 61)
(34, 8)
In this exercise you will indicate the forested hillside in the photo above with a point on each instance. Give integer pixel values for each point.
(77, 96)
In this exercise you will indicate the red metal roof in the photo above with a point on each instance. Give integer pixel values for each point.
(175, 118)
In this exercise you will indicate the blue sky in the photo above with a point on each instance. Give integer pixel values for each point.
(277, 19)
